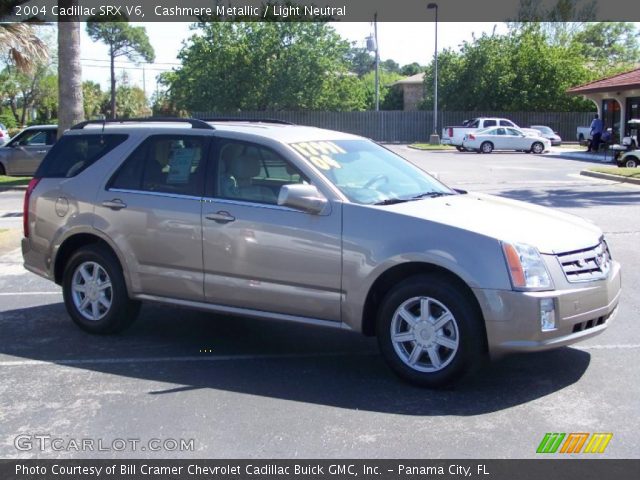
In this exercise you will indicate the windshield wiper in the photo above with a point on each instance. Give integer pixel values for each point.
(429, 195)
(391, 201)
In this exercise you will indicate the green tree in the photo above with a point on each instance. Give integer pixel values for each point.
(122, 40)
(412, 69)
(360, 60)
(609, 46)
(386, 79)
(231, 66)
(131, 102)
(93, 99)
(517, 71)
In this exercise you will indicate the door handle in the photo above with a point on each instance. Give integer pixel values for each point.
(220, 217)
(41, 151)
(115, 204)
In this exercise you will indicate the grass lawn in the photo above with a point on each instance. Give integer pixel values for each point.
(428, 146)
(622, 172)
(13, 181)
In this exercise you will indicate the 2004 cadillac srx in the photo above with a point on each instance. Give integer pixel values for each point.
(285, 222)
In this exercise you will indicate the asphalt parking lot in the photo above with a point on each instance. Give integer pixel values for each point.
(241, 388)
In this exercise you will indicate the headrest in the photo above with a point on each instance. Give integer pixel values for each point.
(244, 167)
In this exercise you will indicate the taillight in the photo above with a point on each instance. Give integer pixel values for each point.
(471, 137)
(450, 132)
(1, 134)
(25, 206)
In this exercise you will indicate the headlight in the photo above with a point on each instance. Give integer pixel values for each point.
(526, 267)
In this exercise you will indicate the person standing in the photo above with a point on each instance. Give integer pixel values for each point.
(596, 134)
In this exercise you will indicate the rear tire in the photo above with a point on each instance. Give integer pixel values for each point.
(486, 147)
(433, 348)
(95, 293)
(460, 149)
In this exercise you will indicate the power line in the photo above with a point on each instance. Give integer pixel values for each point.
(124, 61)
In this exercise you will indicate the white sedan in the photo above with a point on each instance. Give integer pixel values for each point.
(504, 138)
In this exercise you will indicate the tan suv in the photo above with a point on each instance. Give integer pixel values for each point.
(300, 224)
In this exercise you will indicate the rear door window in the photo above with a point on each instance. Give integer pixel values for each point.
(490, 123)
(165, 164)
(74, 153)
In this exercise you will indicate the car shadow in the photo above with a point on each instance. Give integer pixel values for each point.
(196, 350)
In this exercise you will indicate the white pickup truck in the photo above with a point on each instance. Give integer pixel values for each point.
(583, 134)
(454, 135)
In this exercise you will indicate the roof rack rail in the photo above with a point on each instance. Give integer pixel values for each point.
(194, 122)
(247, 119)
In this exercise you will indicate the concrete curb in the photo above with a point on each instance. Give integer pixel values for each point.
(594, 157)
(13, 187)
(608, 176)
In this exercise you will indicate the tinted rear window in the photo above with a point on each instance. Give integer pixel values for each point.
(73, 153)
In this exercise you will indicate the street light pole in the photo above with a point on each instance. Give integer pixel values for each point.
(372, 46)
(435, 138)
(375, 33)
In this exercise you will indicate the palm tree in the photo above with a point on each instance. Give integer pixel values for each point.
(70, 104)
(22, 45)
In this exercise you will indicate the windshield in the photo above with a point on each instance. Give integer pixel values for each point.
(367, 173)
(544, 130)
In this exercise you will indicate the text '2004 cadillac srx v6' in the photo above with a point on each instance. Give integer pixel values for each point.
(294, 223)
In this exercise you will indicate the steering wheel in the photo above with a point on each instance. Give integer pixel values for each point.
(378, 178)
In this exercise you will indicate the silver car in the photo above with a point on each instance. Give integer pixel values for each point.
(505, 138)
(300, 224)
(549, 134)
(24, 152)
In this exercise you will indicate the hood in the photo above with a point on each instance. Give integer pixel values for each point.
(508, 220)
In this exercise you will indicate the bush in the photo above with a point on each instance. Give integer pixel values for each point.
(8, 120)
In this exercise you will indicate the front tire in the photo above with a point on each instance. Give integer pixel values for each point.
(95, 293)
(630, 162)
(537, 148)
(429, 332)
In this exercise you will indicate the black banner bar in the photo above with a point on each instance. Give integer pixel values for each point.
(310, 10)
(574, 468)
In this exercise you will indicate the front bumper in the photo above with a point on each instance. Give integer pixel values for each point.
(512, 318)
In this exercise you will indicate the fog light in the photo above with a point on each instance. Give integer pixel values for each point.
(547, 314)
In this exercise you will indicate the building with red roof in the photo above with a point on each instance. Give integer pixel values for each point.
(617, 99)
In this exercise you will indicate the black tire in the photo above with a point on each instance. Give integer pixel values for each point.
(121, 312)
(630, 162)
(580, 138)
(460, 149)
(537, 148)
(2, 170)
(486, 147)
(466, 330)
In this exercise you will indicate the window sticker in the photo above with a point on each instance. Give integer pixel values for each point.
(180, 165)
(320, 154)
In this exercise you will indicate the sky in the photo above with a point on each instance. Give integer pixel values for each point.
(403, 42)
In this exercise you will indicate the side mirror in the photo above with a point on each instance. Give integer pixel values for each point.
(302, 197)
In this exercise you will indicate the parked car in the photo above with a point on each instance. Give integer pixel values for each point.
(501, 138)
(24, 152)
(455, 135)
(4, 134)
(630, 159)
(549, 134)
(306, 225)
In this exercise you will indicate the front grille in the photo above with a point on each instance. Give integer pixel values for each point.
(586, 265)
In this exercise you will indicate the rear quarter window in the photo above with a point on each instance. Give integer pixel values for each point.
(74, 153)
